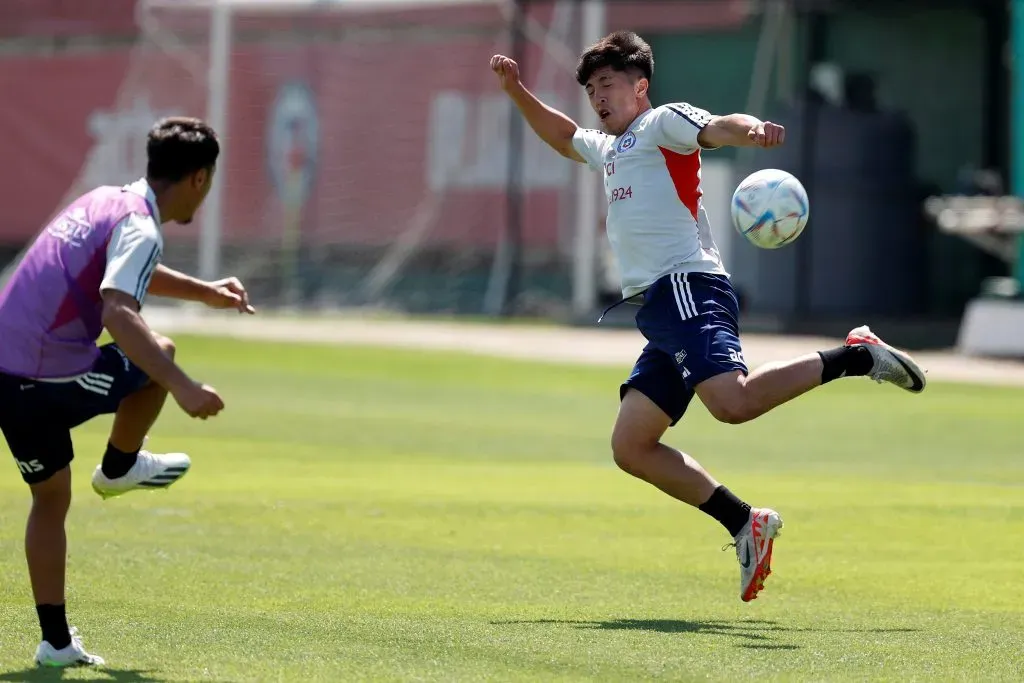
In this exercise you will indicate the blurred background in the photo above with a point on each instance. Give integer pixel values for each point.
(370, 162)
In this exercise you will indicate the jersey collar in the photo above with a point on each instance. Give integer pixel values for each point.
(632, 123)
(141, 187)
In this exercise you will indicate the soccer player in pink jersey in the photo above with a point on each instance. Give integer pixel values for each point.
(91, 268)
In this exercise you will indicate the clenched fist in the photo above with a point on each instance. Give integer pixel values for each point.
(767, 135)
(507, 71)
(198, 400)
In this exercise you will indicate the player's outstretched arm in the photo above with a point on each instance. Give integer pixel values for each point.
(550, 125)
(226, 293)
(741, 130)
(122, 320)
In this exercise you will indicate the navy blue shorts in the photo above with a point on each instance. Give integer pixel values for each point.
(37, 417)
(691, 323)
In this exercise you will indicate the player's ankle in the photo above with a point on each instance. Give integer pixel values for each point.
(845, 361)
(117, 463)
(54, 624)
(730, 511)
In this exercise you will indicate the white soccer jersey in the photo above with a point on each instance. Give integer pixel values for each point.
(656, 221)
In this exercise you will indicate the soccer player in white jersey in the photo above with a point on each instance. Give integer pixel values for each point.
(659, 232)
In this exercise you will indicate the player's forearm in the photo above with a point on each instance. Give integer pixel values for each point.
(550, 125)
(132, 335)
(731, 130)
(172, 284)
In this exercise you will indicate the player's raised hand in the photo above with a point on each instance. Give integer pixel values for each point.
(507, 71)
(199, 400)
(767, 135)
(229, 293)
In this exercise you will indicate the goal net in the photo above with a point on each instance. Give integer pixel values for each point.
(369, 159)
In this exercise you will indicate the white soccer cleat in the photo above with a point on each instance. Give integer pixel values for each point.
(150, 471)
(754, 550)
(891, 365)
(72, 655)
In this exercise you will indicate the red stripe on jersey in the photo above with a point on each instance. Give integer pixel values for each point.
(684, 169)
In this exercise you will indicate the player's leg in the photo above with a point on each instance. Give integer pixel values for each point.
(41, 445)
(653, 399)
(115, 385)
(735, 397)
(46, 552)
(693, 328)
(716, 368)
(135, 416)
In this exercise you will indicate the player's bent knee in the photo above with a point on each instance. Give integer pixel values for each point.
(731, 407)
(730, 413)
(166, 344)
(629, 452)
(624, 455)
(727, 399)
(639, 427)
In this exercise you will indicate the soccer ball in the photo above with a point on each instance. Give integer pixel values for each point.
(770, 208)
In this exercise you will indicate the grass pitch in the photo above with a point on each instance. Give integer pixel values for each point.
(359, 514)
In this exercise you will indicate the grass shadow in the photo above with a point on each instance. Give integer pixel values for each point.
(747, 630)
(749, 633)
(94, 675)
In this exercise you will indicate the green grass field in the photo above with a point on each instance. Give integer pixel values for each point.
(360, 514)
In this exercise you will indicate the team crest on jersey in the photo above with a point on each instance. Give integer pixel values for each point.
(627, 142)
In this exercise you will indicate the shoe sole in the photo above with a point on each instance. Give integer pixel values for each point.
(69, 665)
(764, 568)
(108, 494)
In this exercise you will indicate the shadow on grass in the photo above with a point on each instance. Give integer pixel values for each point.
(743, 630)
(752, 633)
(81, 674)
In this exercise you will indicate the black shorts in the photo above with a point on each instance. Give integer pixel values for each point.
(37, 417)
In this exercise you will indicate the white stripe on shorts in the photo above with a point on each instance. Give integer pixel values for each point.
(96, 389)
(684, 302)
(688, 295)
(683, 313)
(98, 379)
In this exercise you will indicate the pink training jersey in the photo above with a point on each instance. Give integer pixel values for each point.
(51, 311)
(656, 221)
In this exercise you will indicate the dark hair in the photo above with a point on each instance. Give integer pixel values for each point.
(622, 51)
(178, 146)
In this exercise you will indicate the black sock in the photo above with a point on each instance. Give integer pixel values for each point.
(845, 361)
(54, 624)
(724, 506)
(117, 463)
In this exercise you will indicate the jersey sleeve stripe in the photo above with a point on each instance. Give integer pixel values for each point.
(146, 274)
(680, 112)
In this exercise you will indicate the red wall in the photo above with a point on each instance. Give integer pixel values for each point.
(373, 106)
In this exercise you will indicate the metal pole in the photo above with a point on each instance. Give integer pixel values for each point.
(217, 117)
(501, 285)
(516, 141)
(584, 287)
